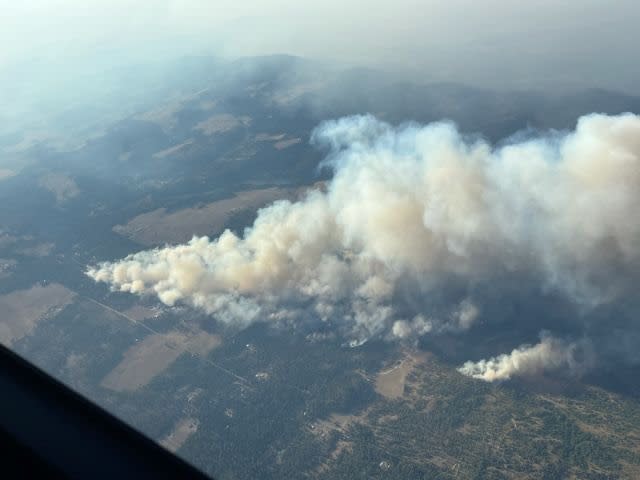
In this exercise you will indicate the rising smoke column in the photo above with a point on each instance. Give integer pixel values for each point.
(409, 210)
(550, 354)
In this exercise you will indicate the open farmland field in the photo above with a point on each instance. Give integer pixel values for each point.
(390, 382)
(22, 310)
(159, 226)
(150, 356)
(181, 432)
(221, 123)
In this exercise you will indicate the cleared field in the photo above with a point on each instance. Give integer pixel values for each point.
(63, 187)
(292, 93)
(221, 123)
(149, 357)
(159, 227)
(141, 312)
(167, 116)
(20, 311)
(390, 382)
(180, 433)
(164, 116)
(282, 144)
(37, 250)
(267, 137)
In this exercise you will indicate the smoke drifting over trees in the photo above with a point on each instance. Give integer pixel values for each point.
(549, 354)
(416, 213)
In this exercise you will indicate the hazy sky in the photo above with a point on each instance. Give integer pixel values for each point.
(498, 43)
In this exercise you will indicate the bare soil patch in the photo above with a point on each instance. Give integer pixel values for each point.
(183, 429)
(282, 144)
(20, 311)
(140, 312)
(266, 137)
(149, 357)
(221, 123)
(63, 187)
(390, 382)
(159, 226)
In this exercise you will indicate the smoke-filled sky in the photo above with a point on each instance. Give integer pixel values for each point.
(419, 221)
(416, 221)
(494, 43)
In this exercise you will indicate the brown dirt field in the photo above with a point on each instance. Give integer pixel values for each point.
(38, 250)
(221, 123)
(159, 227)
(180, 433)
(282, 144)
(62, 186)
(149, 357)
(140, 312)
(266, 137)
(20, 311)
(390, 382)
(290, 94)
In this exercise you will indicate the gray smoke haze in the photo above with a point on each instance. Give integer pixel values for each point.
(495, 43)
(69, 68)
(413, 211)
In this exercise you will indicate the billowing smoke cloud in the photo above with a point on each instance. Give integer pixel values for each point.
(551, 354)
(414, 218)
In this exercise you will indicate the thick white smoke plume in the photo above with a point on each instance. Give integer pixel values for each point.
(549, 355)
(410, 210)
